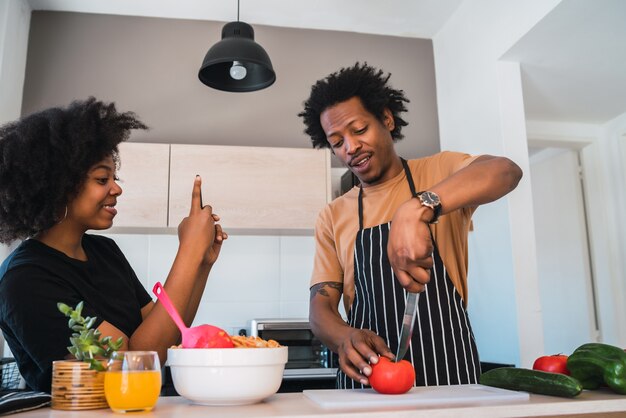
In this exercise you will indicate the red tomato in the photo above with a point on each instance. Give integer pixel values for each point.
(220, 340)
(392, 378)
(556, 363)
(214, 337)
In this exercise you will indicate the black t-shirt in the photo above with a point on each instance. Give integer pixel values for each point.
(35, 277)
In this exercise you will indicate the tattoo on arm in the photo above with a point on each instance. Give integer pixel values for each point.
(320, 288)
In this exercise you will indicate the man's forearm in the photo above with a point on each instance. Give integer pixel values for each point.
(486, 179)
(326, 322)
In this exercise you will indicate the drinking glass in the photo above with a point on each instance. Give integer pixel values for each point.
(133, 381)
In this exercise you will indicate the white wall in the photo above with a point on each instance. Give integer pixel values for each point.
(254, 277)
(563, 256)
(612, 162)
(480, 109)
(14, 25)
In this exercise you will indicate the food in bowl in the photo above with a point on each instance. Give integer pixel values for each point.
(242, 341)
(227, 376)
(252, 342)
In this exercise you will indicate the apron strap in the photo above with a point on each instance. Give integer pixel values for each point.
(360, 206)
(409, 177)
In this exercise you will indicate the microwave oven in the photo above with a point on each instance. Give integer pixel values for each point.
(307, 357)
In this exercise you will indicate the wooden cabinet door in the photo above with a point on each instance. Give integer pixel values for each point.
(144, 178)
(252, 187)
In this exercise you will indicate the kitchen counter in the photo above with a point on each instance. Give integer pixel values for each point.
(588, 404)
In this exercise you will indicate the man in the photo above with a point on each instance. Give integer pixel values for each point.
(404, 229)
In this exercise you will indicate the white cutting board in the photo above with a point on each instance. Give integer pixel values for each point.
(417, 396)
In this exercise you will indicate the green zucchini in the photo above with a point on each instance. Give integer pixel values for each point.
(534, 381)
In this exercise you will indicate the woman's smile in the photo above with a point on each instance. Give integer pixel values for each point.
(110, 209)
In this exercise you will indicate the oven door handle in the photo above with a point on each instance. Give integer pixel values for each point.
(321, 373)
(283, 326)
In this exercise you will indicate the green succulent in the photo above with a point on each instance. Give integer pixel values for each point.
(87, 344)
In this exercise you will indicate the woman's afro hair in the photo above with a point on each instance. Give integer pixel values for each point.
(362, 81)
(45, 157)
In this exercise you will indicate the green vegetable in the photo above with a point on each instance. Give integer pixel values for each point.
(595, 364)
(535, 381)
(86, 342)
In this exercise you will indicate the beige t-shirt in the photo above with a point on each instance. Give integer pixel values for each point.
(338, 223)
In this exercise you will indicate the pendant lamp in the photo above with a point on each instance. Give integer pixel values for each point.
(237, 63)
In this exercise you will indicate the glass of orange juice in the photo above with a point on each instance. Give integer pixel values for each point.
(133, 381)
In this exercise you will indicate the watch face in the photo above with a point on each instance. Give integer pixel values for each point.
(430, 198)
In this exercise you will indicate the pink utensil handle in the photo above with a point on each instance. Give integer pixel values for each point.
(160, 293)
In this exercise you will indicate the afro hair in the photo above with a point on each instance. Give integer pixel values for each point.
(45, 157)
(363, 81)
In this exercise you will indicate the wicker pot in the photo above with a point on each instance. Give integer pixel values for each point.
(76, 387)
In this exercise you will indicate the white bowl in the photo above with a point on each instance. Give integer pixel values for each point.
(226, 376)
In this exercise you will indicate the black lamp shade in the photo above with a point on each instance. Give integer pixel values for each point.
(237, 44)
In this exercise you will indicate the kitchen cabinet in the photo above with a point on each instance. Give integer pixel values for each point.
(252, 188)
(144, 178)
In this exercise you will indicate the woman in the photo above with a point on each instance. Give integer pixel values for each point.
(57, 181)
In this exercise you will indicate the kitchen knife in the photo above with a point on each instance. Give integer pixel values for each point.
(410, 310)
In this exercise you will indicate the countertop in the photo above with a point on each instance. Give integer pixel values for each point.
(600, 403)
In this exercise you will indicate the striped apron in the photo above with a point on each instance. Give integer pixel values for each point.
(442, 348)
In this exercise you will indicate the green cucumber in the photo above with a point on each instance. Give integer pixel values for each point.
(534, 381)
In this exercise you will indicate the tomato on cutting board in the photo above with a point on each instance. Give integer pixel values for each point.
(392, 378)
(556, 363)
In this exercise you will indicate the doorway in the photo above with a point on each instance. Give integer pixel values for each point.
(564, 262)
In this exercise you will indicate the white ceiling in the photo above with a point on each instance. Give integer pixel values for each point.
(408, 18)
(573, 61)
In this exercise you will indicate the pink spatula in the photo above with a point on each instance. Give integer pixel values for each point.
(202, 336)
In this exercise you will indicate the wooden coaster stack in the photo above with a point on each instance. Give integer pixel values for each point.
(76, 387)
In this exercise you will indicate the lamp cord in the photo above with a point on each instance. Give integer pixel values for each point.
(237, 10)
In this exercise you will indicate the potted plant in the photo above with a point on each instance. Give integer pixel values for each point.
(87, 344)
(79, 384)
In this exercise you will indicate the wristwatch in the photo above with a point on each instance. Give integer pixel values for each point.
(431, 200)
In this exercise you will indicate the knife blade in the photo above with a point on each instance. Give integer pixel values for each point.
(407, 325)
